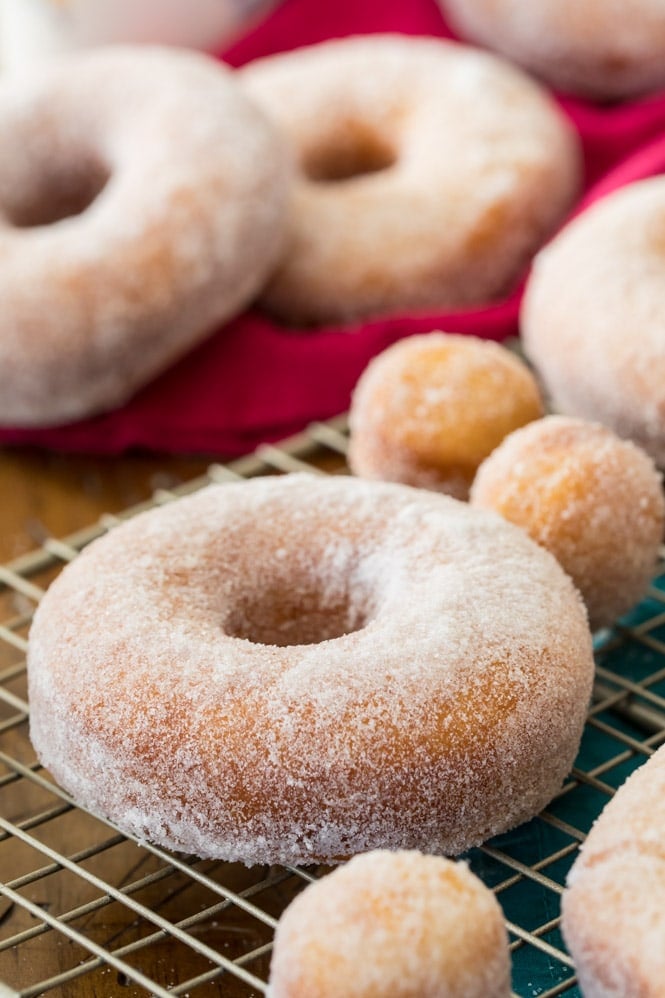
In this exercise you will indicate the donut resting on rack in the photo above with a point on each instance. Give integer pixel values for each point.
(393, 923)
(296, 669)
(614, 908)
(592, 499)
(429, 409)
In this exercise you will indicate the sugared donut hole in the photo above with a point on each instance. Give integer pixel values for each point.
(299, 610)
(61, 190)
(354, 151)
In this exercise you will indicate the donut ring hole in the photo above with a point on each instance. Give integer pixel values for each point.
(353, 151)
(59, 191)
(300, 609)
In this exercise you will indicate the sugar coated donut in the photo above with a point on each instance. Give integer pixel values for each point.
(430, 408)
(597, 48)
(392, 923)
(592, 319)
(595, 501)
(614, 907)
(142, 201)
(297, 669)
(422, 170)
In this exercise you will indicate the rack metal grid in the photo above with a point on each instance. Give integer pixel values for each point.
(85, 911)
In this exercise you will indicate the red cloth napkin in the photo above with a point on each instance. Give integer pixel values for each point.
(255, 380)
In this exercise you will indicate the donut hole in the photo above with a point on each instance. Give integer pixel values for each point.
(59, 192)
(299, 612)
(353, 152)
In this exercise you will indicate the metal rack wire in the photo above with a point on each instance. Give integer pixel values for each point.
(85, 911)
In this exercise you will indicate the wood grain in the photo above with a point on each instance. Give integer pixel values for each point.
(50, 495)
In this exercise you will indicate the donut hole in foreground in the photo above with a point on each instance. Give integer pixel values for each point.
(353, 152)
(303, 609)
(55, 191)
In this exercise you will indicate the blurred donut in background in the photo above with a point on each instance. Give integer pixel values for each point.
(429, 409)
(592, 317)
(30, 30)
(603, 49)
(422, 171)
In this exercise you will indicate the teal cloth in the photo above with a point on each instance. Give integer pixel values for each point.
(530, 904)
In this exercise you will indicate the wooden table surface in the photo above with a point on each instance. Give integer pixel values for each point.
(43, 494)
(47, 495)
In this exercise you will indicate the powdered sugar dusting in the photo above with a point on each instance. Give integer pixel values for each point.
(450, 710)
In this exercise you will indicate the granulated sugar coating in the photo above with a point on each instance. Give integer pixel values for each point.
(422, 167)
(429, 409)
(591, 318)
(393, 923)
(614, 908)
(595, 501)
(296, 669)
(601, 49)
(143, 201)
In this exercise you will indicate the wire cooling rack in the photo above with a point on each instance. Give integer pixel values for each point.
(85, 911)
